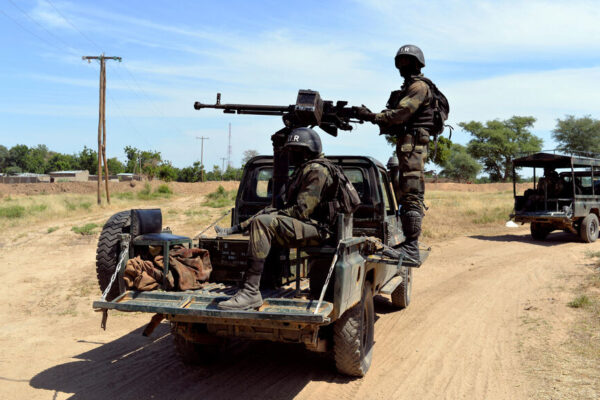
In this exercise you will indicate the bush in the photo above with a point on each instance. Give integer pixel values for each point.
(87, 229)
(15, 211)
(220, 198)
(164, 189)
(579, 301)
(52, 229)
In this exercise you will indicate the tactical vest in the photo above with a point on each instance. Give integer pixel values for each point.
(322, 213)
(422, 118)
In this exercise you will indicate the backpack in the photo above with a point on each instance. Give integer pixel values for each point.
(439, 104)
(345, 199)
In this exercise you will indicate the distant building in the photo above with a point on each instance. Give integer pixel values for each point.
(125, 177)
(25, 177)
(69, 176)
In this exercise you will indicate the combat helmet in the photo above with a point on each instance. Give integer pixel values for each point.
(304, 138)
(411, 51)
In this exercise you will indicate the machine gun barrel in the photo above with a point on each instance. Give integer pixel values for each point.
(254, 109)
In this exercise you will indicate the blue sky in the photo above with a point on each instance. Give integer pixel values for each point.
(493, 59)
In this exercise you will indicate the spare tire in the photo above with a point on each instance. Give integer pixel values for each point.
(109, 250)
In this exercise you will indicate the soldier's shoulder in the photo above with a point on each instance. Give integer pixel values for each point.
(317, 166)
(419, 86)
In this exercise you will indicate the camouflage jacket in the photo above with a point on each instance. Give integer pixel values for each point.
(305, 195)
(403, 104)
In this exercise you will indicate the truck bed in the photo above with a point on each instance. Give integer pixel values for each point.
(282, 305)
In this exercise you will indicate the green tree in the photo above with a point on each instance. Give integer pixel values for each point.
(232, 174)
(167, 172)
(460, 165)
(215, 175)
(149, 161)
(115, 166)
(17, 157)
(190, 174)
(61, 162)
(496, 143)
(87, 159)
(3, 158)
(580, 135)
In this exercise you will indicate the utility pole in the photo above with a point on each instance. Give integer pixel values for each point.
(102, 123)
(202, 139)
(229, 148)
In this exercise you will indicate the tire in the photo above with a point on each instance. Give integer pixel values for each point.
(401, 295)
(192, 353)
(539, 231)
(588, 231)
(109, 250)
(353, 336)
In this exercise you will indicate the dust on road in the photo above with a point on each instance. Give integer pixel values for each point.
(472, 331)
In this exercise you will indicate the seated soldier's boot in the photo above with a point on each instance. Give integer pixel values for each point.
(226, 231)
(248, 297)
(411, 227)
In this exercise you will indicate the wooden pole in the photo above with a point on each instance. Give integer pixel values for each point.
(102, 123)
(104, 132)
(99, 186)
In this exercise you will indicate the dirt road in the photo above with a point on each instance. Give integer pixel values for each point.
(486, 313)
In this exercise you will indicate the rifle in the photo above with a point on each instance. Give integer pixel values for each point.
(309, 110)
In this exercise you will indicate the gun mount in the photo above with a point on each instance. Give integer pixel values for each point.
(309, 111)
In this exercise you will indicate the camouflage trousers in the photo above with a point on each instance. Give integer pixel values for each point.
(285, 231)
(412, 154)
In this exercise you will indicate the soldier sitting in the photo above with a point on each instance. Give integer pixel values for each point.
(302, 222)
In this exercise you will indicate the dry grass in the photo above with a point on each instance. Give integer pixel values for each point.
(457, 213)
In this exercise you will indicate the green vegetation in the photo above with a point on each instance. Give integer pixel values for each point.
(124, 195)
(163, 191)
(14, 211)
(52, 229)
(497, 143)
(73, 205)
(220, 198)
(578, 135)
(459, 165)
(580, 301)
(86, 230)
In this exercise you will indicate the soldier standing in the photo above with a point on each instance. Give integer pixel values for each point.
(302, 222)
(409, 117)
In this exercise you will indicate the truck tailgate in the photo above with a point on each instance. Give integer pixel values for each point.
(201, 305)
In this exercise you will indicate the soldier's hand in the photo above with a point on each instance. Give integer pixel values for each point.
(365, 114)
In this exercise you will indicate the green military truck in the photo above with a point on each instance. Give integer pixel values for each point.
(321, 297)
(567, 199)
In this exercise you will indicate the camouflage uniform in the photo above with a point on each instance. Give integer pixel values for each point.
(408, 117)
(298, 223)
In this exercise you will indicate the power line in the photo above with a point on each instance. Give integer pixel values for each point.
(31, 32)
(41, 26)
(73, 25)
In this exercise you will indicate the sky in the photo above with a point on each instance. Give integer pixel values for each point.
(492, 59)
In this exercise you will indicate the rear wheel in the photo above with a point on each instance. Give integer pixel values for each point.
(539, 231)
(109, 250)
(588, 231)
(401, 295)
(191, 352)
(353, 336)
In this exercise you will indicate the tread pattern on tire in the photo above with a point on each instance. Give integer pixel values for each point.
(399, 296)
(583, 229)
(347, 336)
(109, 249)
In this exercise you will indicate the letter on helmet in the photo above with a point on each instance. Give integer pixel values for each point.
(304, 138)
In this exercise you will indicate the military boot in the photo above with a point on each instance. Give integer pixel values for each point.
(248, 297)
(411, 227)
(221, 232)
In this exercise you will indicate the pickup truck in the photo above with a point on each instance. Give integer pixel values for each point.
(321, 297)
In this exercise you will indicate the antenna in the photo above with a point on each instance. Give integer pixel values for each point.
(229, 148)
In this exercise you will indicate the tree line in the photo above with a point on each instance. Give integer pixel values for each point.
(41, 160)
(493, 146)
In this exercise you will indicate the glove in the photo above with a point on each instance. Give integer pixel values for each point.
(365, 114)
(221, 232)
